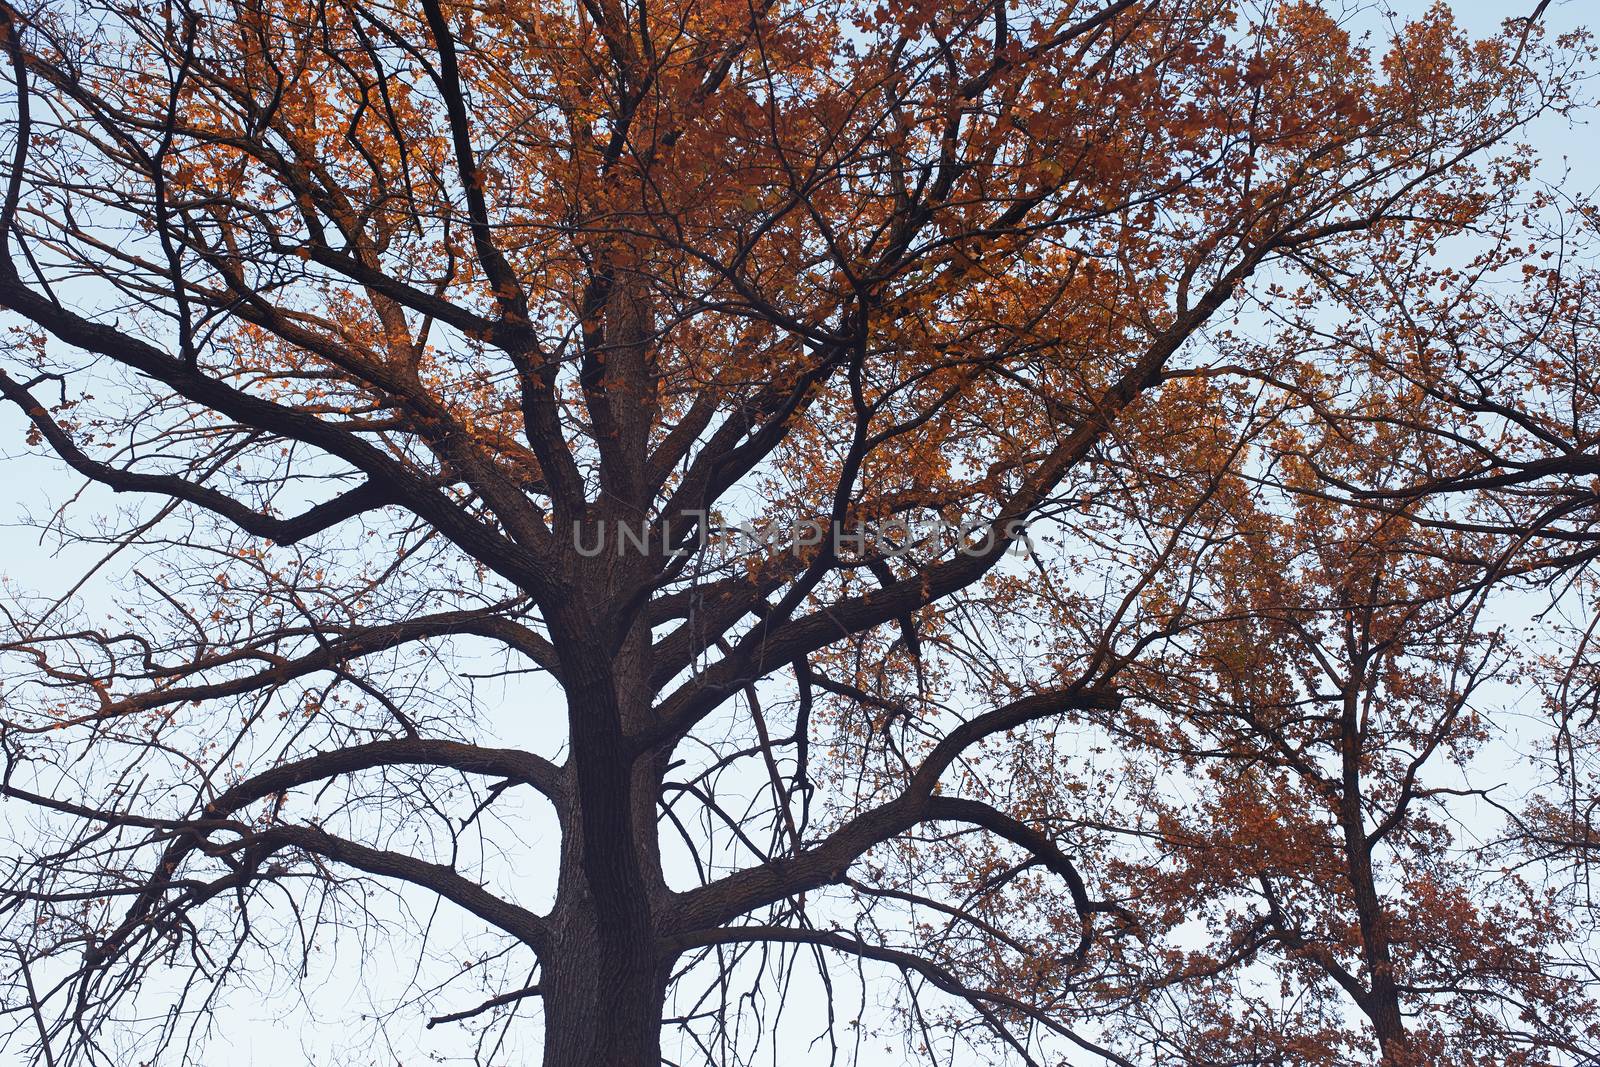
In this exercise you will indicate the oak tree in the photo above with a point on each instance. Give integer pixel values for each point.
(642, 512)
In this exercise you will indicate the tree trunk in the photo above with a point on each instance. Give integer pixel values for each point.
(1382, 1002)
(602, 1002)
(604, 981)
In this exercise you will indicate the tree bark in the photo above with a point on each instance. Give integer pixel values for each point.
(604, 979)
(602, 999)
(1382, 1003)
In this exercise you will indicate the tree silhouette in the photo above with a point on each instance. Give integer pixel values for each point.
(807, 422)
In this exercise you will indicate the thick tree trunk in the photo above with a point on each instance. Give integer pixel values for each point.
(603, 980)
(602, 1003)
